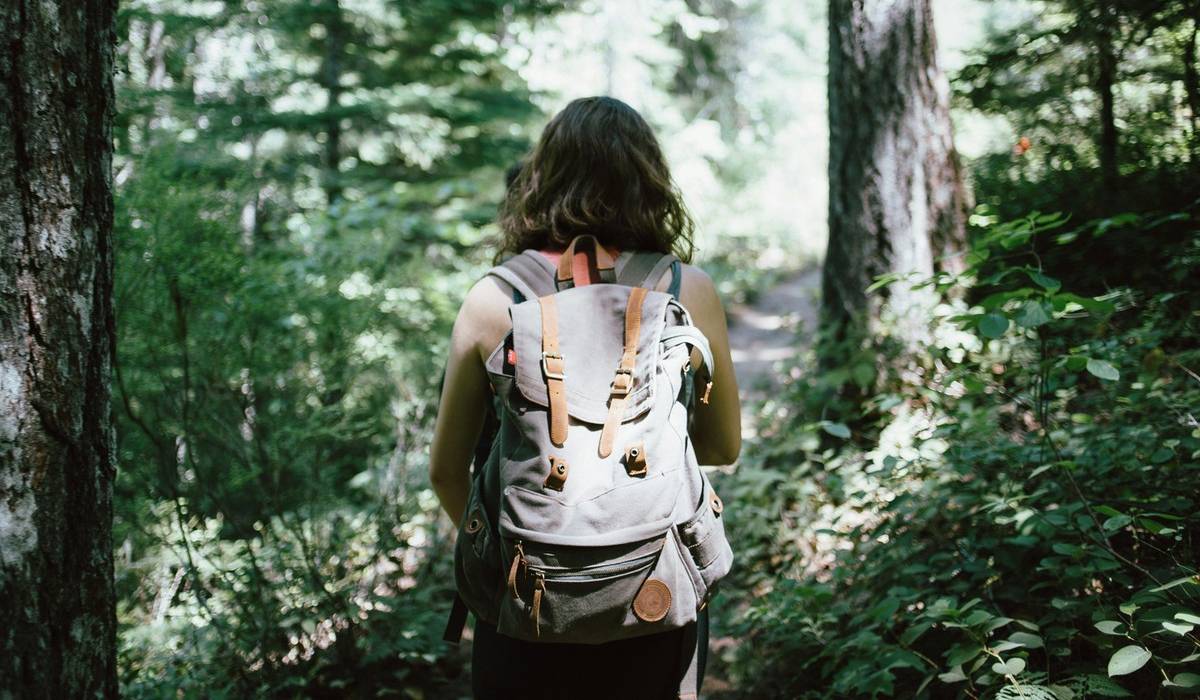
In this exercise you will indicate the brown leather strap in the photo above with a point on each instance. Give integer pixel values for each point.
(552, 368)
(622, 383)
(569, 267)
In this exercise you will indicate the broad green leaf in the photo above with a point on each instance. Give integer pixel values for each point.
(1025, 639)
(1117, 522)
(1188, 617)
(1127, 659)
(1161, 455)
(1045, 281)
(1110, 626)
(1179, 628)
(963, 654)
(993, 325)
(954, 675)
(836, 429)
(1129, 608)
(1186, 680)
(1032, 315)
(1103, 370)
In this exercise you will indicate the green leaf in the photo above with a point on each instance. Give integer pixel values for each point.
(1178, 627)
(1129, 608)
(1032, 315)
(1127, 659)
(993, 325)
(954, 675)
(1102, 369)
(1186, 680)
(836, 429)
(1110, 626)
(1172, 584)
(1188, 617)
(1045, 281)
(961, 655)
(1161, 455)
(884, 280)
(1025, 639)
(1117, 522)
(1012, 667)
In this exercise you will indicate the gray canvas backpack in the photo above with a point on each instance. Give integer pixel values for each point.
(591, 520)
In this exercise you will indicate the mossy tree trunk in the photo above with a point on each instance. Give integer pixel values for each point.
(57, 614)
(896, 198)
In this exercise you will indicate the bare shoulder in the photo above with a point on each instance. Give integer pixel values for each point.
(698, 293)
(483, 318)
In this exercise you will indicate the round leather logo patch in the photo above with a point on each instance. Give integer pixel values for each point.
(652, 601)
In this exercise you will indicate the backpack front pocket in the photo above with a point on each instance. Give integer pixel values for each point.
(635, 589)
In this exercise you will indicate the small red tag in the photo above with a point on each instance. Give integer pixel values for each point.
(512, 357)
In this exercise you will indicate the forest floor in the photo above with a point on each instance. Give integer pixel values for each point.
(775, 327)
(766, 336)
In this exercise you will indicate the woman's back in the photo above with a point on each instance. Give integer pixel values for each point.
(618, 188)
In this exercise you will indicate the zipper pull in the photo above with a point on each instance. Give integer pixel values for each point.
(539, 585)
(518, 558)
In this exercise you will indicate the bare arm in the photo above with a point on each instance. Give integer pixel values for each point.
(716, 429)
(465, 394)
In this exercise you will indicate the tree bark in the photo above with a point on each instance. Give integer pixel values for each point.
(331, 79)
(1191, 84)
(896, 198)
(1106, 77)
(57, 613)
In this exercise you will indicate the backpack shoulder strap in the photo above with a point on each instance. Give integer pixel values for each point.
(528, 273)
(645, 267)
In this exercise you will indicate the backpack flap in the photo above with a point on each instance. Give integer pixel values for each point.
(591, 329)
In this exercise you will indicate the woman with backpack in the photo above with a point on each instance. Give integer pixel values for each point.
(590, 540)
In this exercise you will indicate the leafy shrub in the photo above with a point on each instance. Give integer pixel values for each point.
(1021, 521)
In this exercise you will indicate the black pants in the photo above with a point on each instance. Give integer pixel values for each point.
(641, 668)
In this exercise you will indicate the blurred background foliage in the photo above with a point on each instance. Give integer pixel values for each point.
(306, 189)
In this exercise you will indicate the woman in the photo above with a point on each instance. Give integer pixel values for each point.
(597, 169)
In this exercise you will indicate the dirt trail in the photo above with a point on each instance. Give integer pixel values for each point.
(775, 328)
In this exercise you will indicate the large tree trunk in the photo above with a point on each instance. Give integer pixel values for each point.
(896, 199)
(57, 614)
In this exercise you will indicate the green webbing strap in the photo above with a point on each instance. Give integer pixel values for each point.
(676, 279)
(637, 268)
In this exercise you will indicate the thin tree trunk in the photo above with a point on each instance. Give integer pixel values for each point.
(332, 79)
(57, 614)
(1106, 76)
(1191, 84)
(896, 199)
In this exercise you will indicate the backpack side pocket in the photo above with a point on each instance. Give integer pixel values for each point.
(703, 537)
(477, 560)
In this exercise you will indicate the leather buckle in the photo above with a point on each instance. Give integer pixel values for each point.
(551, 374)
(622, 389)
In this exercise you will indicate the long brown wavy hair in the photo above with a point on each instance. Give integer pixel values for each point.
(597, 169)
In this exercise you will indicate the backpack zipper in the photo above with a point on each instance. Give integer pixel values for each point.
(596, 572)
